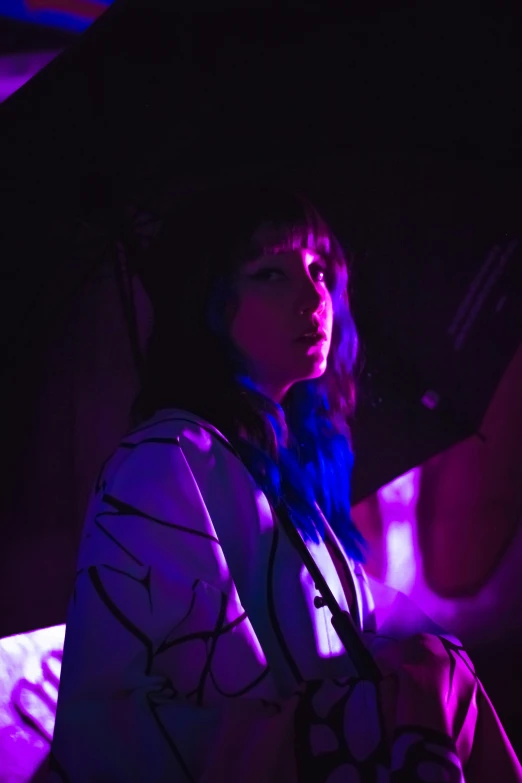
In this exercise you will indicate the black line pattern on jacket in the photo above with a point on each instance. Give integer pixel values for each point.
(127, 444)
(144, 582)
(175, 441)
(214, 433)
(116, 612)
(170, 742)
(453, 652)
(206, 668)
(125, 509)
(242, 691)
(204, 636)
(161, 646)
(113, 538)
(150, 424)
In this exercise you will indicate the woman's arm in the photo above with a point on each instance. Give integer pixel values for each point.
(161, 666)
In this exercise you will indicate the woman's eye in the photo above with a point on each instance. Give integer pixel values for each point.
(271, 274)
(319, 274)
(268, 274)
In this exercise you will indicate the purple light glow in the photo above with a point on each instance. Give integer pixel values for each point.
(397, 502)
(430, 399)
(17, 69)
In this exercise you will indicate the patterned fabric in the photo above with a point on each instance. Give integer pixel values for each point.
(195, 649)
(358, 730)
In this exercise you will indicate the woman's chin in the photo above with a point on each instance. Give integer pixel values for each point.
(314, 370)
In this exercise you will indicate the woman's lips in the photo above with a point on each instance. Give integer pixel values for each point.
(312, 339)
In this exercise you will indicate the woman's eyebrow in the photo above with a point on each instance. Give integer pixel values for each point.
(254, 264)
(312, 256)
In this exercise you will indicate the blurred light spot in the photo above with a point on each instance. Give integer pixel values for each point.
(401, 556)
(398, 501)
(430, 399)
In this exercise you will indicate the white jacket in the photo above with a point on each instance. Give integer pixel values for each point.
(192, 618)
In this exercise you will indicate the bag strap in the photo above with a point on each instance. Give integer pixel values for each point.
(341, 620)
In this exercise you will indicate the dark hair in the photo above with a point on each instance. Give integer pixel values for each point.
(299, 452)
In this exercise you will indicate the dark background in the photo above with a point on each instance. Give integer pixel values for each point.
(404, 126)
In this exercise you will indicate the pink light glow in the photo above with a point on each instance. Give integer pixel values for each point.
(30, 664)
(430, 399)
(17, 69)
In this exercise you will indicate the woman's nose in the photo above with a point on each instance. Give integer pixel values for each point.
(311, 299)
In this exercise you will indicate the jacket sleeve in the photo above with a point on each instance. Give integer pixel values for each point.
(163, 677)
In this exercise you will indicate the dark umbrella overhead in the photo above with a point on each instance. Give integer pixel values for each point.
(389, 121)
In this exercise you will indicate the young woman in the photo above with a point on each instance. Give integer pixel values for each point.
(218, 542)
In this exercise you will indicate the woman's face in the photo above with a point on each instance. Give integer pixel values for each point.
(280, 298)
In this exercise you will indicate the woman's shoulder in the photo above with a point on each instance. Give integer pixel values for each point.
(175, 445)
(177, 423)
(192, 433)
(152, 444)
(175, 472)
(151, 505)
